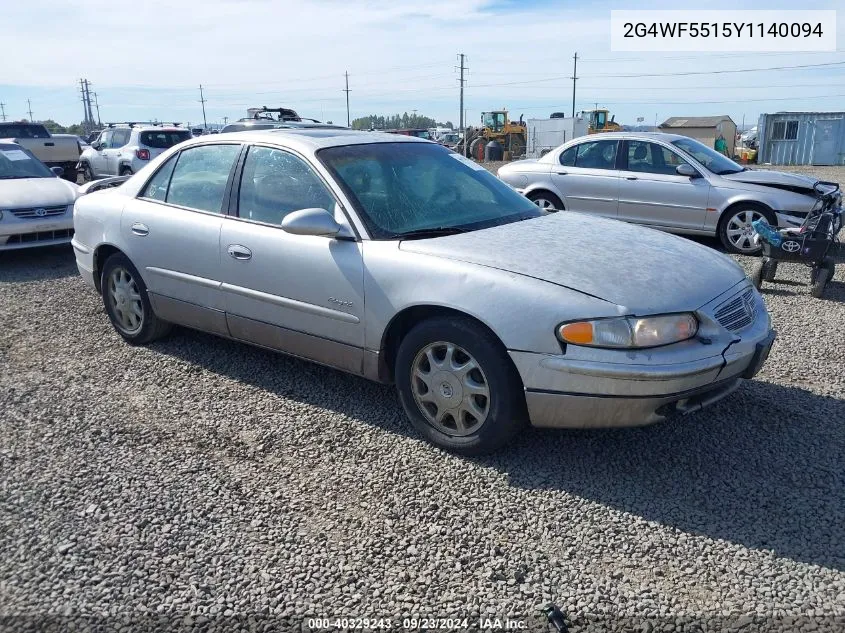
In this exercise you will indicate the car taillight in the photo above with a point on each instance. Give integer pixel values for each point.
(143, 154)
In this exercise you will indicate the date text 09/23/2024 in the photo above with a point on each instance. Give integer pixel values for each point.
(412, 624)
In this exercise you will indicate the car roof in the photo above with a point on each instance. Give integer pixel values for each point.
(654, 136)
(313, 139)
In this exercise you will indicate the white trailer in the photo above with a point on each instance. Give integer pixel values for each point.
(546, 134)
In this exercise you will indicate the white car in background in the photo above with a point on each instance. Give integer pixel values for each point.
(36, 204)
(125, 149)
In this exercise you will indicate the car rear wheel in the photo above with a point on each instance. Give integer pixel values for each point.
(546, 200)
(127, 302)
(87, 173)
(458, 386)
(736, 231)
(125, 171)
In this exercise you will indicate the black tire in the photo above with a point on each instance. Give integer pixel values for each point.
(87, 172)
(473, 147)
(818, 280)
(506, 411)
(125, 171)
(734, 211)
(538, 196)
(757, 275)
(151, 327)
(770, 268)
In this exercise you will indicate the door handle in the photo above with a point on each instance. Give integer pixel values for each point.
(562, 173)
(631, 178)
(140, 229)
(49, 144)
(239, 252)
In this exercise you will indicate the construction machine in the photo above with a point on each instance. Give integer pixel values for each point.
(496, 126)
(600, 123)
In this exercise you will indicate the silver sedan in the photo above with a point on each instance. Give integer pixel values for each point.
(664, 181)
(398, 260)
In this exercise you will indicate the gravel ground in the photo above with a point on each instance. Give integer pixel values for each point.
(200, 484)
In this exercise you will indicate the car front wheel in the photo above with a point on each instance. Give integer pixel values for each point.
(458, 386)
(736, 231)
(127, 302)
(546, 201)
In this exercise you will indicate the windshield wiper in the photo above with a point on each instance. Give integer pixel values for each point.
(436, 231)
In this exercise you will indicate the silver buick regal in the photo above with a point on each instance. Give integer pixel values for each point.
(398, 260)
(665, 181)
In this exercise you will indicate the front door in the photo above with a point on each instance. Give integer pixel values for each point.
(297, 293)
(98, 157)
(590, 184)
(829, 137)
(651, 191)
(172, 235)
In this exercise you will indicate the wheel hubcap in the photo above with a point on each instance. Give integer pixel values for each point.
(125, 301)
(740, 232)
(544, 204)
(450, 388)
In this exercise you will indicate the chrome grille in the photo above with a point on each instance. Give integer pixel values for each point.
(739, 312)
(36, 213)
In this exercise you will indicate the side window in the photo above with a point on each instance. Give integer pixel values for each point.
(105, 139)
(275, 183)
(200, 176)
(156, 188)
(567, 159)
(120, 138)
(652, 158)
(596, 155)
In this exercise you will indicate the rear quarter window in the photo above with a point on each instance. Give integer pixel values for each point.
(164, 139)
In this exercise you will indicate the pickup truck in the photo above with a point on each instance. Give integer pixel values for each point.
(54, 151)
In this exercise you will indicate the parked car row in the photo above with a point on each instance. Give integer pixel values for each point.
(404, 262)
(54, 150)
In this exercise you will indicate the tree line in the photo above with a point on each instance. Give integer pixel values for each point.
(397, 121)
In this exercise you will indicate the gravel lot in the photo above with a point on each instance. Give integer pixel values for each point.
(200, 484)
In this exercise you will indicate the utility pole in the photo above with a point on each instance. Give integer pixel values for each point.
(463, 68)
(3, 111)
(86, 123)
(574, 79)
(225, 120)
(88, 102)
(202, 101)
(29, 105)
(346, 90)
(97, 105)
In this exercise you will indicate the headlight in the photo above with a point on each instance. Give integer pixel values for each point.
(630, 332)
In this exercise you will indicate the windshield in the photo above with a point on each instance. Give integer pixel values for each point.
(710, 158)
(164, 138)
(16, 162)
(23, 130)
(404, 187)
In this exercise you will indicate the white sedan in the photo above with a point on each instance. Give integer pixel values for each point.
(36, 204)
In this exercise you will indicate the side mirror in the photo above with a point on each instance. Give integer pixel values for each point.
(59, 171)
(685, 169)
(96, 145)
(311, 222)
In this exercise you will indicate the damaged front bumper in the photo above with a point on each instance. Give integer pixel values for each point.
(627, 388)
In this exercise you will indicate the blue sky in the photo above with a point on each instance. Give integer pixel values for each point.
(146, 60)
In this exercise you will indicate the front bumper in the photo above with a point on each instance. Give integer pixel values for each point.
(18, 233)
(564, 392)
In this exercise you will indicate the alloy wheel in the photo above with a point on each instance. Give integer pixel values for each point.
(545, 204)
(125, 300)
(741, 233)
(450, 388)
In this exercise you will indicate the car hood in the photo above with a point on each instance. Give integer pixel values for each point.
(36, 192)
(642, 270)
(798, 183)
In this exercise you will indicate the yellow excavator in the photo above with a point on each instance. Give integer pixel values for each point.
(600, 123)
(497, 126)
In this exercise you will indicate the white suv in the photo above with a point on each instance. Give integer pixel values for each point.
(123, 149)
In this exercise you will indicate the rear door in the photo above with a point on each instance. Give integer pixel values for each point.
(172, 234)
(300, 294)
(112, 154)
(652, 192)
(588, 177)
